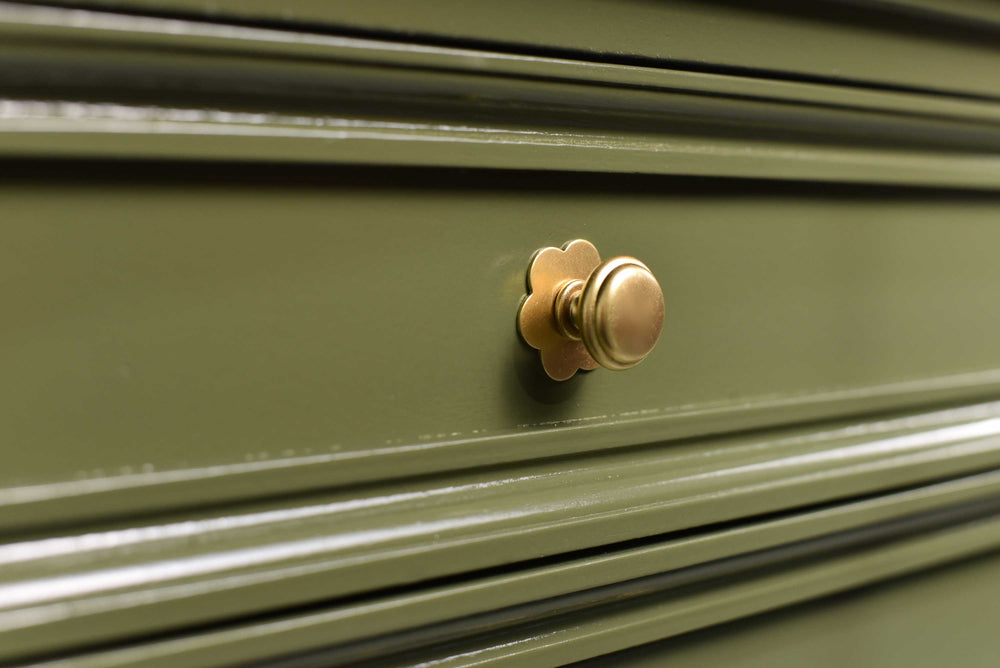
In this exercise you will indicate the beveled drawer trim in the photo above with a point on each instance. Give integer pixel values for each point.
(899, 43)
(454, 107)
(140, 577)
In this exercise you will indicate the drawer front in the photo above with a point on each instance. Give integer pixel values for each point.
(320, 326)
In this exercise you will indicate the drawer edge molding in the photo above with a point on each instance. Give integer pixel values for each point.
(72, 501)
(591, 604)
(204, 567)
(825, 39)
(75, 99)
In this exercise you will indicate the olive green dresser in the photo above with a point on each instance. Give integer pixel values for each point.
(267, 391)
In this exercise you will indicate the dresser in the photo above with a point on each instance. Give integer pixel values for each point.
(270, 394)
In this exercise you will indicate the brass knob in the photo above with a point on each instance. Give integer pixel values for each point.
(581, 312)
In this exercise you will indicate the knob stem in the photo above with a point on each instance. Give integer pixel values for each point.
(566, 309)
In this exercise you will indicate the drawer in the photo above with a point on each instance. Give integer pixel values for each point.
(248, 262)
(169, 327)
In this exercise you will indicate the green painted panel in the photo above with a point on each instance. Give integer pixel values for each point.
(969, 12)
(360, 324)
(569, 638)
(946, 617)
(557, 631)
(117, 86)
(346, 556)
(860, 43)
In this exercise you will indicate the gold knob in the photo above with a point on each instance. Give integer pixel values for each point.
(581, 313)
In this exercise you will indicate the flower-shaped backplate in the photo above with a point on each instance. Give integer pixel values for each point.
(550, 269)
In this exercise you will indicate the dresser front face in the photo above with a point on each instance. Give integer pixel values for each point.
(264, 396)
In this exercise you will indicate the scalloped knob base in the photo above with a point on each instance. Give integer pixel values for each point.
(580, 313)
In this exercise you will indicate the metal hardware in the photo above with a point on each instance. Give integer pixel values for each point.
(581, 313)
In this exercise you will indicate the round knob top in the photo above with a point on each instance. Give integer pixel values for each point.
(621, 313)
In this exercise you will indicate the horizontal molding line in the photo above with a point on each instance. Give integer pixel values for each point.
(188, 571)
(486, 148)
(962, 12)
(872, 44)
(547, 113)
(73, 501)
(585, 636)
(108, 30)
(879, 532)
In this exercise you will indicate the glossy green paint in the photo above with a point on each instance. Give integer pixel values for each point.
(562, 630)
(174, 342)
(262, 401)
(154, 88)
(86, 585)
(573, 638)
(947, 617)
(840, 42)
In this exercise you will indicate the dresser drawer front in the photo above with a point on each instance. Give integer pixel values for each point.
(323, 326)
